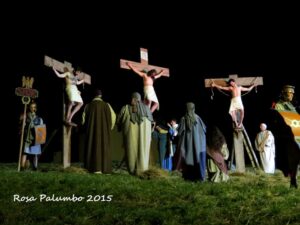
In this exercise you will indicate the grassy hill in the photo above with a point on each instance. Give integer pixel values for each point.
(72, 196)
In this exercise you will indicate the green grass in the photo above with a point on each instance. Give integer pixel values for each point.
(156, 197)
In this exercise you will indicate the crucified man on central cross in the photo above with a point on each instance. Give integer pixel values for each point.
(149, 74)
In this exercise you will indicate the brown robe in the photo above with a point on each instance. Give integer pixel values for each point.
(98, 126)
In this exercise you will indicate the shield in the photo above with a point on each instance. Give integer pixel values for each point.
(40, 134)
(293, 120)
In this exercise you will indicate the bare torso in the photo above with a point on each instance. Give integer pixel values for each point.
(148, 81)
(70, 79)
(235, 91)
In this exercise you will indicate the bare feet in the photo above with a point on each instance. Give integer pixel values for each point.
(72, 124)
(69, 123)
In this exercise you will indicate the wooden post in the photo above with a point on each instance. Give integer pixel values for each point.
(143, 65)
(239, 152)
(67, 130)
(22, 138)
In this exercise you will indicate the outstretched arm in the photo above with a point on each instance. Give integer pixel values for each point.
(58, 74)
(248, 89)
(80, 81)
(220, 87)
(136, 70)
(159, 74)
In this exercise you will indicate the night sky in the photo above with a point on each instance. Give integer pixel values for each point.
(193, 48)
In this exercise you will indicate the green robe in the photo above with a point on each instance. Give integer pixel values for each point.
(98, 119)
(216, 166)
(136, 141)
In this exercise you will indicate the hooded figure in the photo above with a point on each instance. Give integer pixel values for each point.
(134, 121)
(192, 145)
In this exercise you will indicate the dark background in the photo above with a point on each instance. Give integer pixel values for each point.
(194, 43)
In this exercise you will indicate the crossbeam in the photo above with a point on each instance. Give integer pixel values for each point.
(243, 81)
(59, 66)
(143, 65)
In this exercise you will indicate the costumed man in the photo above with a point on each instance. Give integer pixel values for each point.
(98, 119)
(74, 97)
(283, 122)
(236, 105)
(173, 136)
(286, 99)
(161, 135)
(217, 153)
(150, 97)
(191, 153)
(265, 144)
(134, 121)
(30, 147)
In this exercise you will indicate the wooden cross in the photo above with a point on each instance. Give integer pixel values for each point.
(143, 65)
(243, 81)
(59, 66)
(239, 141)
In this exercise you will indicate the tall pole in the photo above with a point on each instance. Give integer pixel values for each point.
(22, 136)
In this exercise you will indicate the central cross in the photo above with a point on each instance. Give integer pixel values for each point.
(143, 65)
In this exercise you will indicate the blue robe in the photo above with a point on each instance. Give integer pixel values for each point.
(192, 148)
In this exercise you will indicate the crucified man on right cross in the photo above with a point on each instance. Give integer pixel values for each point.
(236, 104)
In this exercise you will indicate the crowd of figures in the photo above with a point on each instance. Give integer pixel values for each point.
(199, 152)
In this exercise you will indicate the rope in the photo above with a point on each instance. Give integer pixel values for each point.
(253, 82)
(212, 91)
(224, 93)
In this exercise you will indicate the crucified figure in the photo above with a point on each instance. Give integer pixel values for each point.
(75, 100)
(150, 97)
(236, 105)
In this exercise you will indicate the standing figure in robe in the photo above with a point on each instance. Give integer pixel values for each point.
(265, 144)
(98, 120)
(192, 145)
(217, 153)
(134, 120)
(31, 149)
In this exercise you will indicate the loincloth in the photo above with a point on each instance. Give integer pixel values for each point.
(236, 104)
